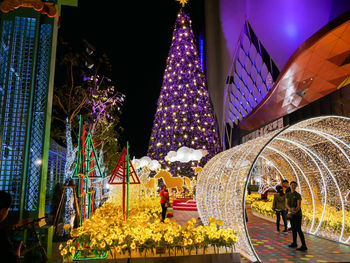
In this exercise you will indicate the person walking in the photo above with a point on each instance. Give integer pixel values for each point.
(279, 206)
(293, 204)
(164, 201)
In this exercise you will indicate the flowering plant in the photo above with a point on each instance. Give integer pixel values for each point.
(331, 222)
(256, 197)
(107, 231)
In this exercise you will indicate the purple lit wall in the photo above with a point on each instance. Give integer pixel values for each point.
(281, 26)
(184, 114)
(250, 77)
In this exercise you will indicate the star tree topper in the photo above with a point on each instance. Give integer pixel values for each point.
(182, 2)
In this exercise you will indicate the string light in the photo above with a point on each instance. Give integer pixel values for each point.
(314, 152)
(68, 170)
(187, 79)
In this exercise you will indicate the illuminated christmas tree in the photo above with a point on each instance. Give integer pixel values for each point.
(184, 114)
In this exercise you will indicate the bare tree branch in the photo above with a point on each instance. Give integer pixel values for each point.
(61, 105)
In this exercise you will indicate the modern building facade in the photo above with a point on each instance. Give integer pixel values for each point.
(28, 34)
(250, 78)
(288, 31)
(318, 71)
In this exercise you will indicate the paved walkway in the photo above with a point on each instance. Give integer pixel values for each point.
(182, 217)
(272, 246)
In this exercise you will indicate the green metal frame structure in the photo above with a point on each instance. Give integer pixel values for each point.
(28, 42)
(85, 172)
(27, 54)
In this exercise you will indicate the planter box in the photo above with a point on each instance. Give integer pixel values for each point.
(211, 258)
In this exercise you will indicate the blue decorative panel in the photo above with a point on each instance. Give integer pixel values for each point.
(17, 46)
(251, 76)
(6, 181)
(38, 119)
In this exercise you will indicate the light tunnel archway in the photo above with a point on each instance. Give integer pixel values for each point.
(314, 152)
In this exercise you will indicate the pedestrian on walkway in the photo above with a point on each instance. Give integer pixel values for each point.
(279, 206)
(285, 186)
(293, 204)
(286, 189)
(164, 201)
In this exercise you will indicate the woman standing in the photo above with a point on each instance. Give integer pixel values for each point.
(279, 206)
(293, 204)
(164, 201)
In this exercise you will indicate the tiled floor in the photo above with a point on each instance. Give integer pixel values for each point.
(273, 247)
(183, 216)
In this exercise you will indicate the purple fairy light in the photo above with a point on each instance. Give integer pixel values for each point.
(185, 115)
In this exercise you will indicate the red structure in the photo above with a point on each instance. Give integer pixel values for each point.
(38, 5)
(124, 173)
(84, 171)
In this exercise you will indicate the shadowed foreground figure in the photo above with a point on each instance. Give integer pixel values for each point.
(8, 253)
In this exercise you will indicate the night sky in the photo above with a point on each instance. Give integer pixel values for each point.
(136, 35)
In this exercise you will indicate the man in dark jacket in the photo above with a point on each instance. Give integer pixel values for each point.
(293, 204)
(7, 251)
(286, 190)
(286, 187)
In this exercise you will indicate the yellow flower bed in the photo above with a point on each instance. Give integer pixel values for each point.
(107, 230)
(256, 197)
(332, 219)
(263, 207)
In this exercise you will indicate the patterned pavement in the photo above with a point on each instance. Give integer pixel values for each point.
(182, 217)
(272, 246)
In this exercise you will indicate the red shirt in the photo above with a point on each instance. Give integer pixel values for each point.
(164, 196)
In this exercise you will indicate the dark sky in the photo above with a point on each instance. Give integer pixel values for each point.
(136, 35)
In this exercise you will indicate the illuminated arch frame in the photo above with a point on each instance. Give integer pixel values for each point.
(205, 188)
